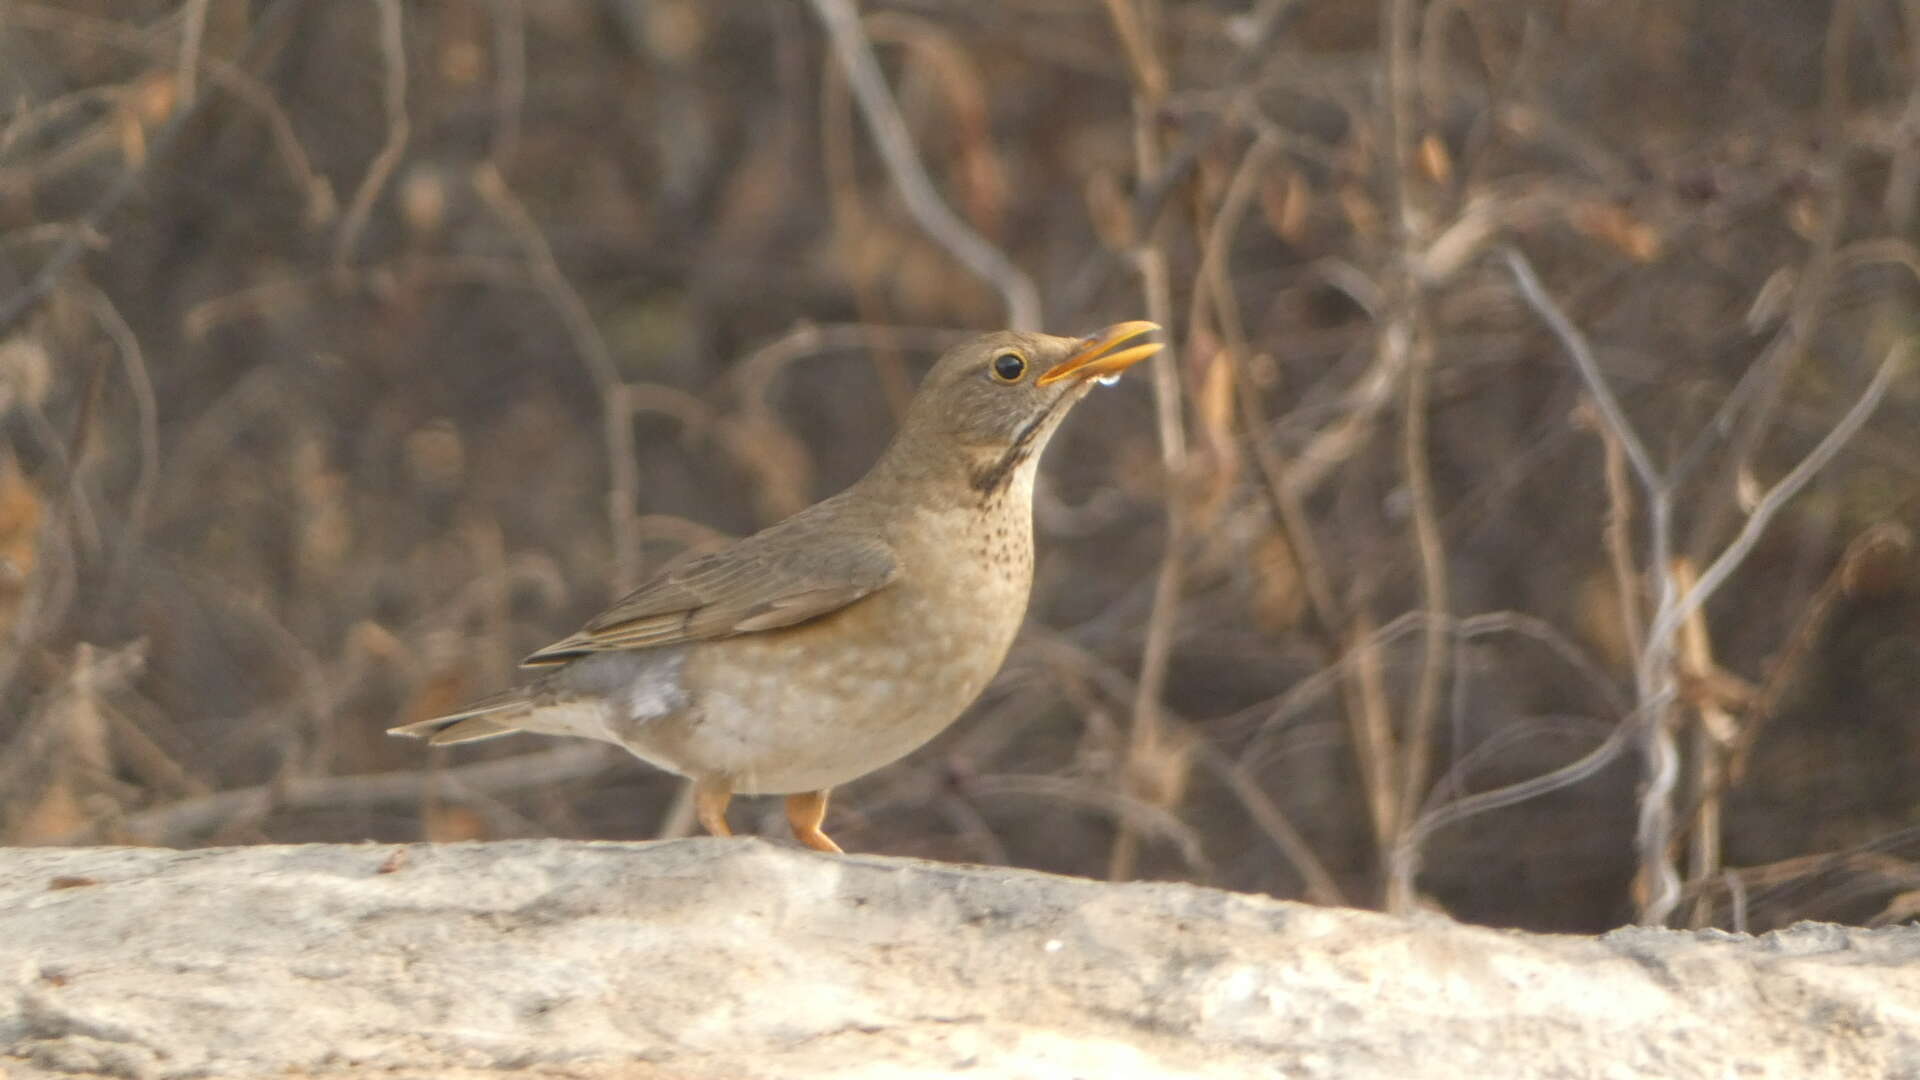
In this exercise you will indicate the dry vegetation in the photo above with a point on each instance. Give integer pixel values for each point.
(1523, 523)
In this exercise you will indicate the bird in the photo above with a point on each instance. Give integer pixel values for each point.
(844, 637)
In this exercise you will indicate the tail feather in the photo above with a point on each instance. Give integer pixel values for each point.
(485, 719)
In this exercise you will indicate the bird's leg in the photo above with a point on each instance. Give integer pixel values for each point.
(710, 799)
(805, 812)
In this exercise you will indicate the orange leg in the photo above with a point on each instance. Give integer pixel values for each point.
(710, 799)
(805, 813)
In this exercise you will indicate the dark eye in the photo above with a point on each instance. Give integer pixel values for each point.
(1009, 366)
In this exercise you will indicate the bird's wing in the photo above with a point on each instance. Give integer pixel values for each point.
(800, 569)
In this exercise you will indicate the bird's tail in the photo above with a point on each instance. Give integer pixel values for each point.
(487, 718)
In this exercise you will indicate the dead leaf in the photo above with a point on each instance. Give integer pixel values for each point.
(1362, 215)
(1279, 598)
(1434, 160)
(1616, 227)
(1111, 214)
(1284, 202)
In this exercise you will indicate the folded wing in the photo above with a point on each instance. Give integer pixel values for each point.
(800, 569)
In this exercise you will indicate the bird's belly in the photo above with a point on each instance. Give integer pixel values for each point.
(817, 705)
(775, 735)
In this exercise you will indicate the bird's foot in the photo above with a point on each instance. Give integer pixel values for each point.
(805, 812)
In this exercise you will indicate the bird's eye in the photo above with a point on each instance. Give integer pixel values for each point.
(1009, 366)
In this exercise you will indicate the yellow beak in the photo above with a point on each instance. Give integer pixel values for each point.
(1096, 357)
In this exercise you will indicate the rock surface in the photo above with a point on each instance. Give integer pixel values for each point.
(739, 959)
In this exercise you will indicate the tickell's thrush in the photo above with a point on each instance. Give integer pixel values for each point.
(844, 637)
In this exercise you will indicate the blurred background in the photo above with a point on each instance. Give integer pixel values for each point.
(349, 351)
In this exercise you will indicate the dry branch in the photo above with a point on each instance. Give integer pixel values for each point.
(184, 821)
(393, 56)
(895, 143)
(1655, 676)
(623, 475)
(1154, 763)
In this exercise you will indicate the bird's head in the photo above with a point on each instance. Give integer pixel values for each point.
(990, 404)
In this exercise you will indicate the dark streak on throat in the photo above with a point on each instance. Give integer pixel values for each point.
(993, 479)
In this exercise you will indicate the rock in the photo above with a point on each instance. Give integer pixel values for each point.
(736, 958)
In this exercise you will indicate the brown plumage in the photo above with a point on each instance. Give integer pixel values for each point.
(840, 639)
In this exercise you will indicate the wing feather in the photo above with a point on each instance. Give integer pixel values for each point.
(810, 565)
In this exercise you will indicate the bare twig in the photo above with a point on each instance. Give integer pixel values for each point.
(1619, 539)
(1149, 750)
(1115, 686)
(850, 223)
(180, 822)
(394, 101)
(1881, 545)
(1368, 398)
(1254, 36)
(1404, 849)
(1737, 897)
(1215, 284)
(1416, 745)
(232, 77)
(895, 143)
(147, 413)
(1149, 75)
(25, 124)
(193, 18)
(1763, 389)
(1783, 491)
(1581, 353)
(1407, 333)
(1654, 675)
(1903, 169)
(49, 596)
(623, 471)
(510, 78)
(1143, 816)
(1659, 888)
(1415, 835)
(1370, 722)
(1713, 736)
(754, 375)
(1321, 888)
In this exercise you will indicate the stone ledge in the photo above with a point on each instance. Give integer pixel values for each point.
(736, 958)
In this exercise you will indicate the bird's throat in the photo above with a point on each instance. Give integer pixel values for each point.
(992, 479)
